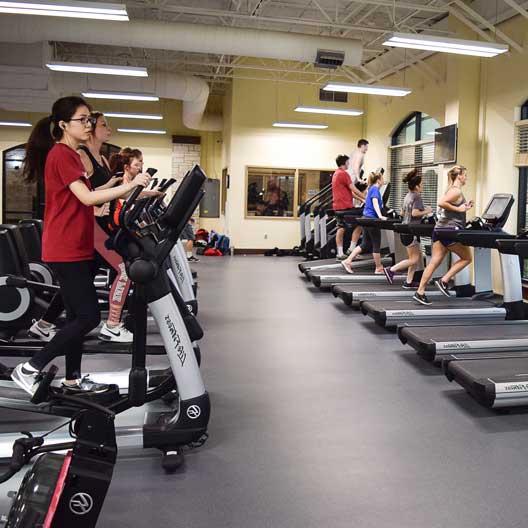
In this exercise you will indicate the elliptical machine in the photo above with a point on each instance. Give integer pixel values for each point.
(62, 491)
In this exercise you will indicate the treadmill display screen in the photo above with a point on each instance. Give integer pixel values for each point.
(496, 207)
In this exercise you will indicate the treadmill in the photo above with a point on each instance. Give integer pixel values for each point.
(471, 338)
(325, 279)
(354, 294)
(482, 307)
(493, 382)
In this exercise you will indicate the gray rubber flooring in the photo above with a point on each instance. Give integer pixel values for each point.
(319, 418)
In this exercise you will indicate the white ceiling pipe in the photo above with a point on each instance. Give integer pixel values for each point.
(179, 37)
(31, 89)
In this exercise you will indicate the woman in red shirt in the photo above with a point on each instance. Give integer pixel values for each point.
(68, 237)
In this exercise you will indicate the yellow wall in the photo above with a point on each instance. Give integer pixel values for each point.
(254, 142)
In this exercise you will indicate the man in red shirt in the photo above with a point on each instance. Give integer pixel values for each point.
(343, 192)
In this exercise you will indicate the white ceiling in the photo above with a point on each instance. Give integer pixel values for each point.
(367, 20)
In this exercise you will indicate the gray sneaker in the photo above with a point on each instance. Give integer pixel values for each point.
(26, 380)
(342, 257)
(83, 385)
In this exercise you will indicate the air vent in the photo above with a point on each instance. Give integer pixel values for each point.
(329, 59)
(334, 97)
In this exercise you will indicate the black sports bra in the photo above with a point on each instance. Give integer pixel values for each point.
(101, 173)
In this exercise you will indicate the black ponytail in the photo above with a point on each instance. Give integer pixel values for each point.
(413, 179)
(46, 133)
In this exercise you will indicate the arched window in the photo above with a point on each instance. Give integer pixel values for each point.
(412, 146)
(20, 199)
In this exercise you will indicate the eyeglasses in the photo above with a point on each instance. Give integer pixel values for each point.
(86, 121)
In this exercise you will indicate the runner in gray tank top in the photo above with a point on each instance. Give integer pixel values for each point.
(452, 216)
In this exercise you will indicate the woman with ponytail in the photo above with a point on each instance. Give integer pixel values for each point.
(98, 170)
(68, 237)
(451, 217)
(371, 234)
(413, 210)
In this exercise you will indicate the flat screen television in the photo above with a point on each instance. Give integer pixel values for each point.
(445, 144)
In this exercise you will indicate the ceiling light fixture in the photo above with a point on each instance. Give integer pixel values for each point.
(100, 69)
(367, 89)
(66, 8)
(281, 124)
(133, 116)
(121, 96)
(15, 123)
(141, 131)
(445, 45)
(331, 111)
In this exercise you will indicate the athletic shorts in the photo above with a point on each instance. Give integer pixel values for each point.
(409, 240)
(444, 241)
(187, 233)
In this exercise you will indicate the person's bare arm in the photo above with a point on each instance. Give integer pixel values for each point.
(356, 193)
(418, 213)
(99, 197)
(376, 205)
(452, 195)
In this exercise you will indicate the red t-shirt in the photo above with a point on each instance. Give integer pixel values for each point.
(68, 224)
(341, 193)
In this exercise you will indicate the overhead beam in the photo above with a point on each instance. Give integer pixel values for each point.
(217, 13)
(479, 18)
(323, 12)
(517, 7)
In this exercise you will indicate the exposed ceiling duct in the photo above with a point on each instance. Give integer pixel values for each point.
(179, 37)
(194, 92)
(32, 88)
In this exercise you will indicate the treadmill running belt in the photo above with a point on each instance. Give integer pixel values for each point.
(493, 382)
(433, 342)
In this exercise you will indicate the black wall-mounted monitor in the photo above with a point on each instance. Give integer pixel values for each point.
(445, 144)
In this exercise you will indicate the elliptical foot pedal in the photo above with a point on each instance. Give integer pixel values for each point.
(111, 395)
(43, 391)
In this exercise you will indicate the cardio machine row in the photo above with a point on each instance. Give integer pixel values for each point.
(478, 337)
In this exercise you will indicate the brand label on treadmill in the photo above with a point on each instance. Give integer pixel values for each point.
(81, 503)
(194, 412)
(511, 387)
(180, 351)
(452, 346)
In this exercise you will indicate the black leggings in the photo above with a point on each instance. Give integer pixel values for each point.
(371, 239)
(82, 316)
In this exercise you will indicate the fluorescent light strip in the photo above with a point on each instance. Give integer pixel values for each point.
(133, 116)
(298, 125)
(66, 14)
(367, 89)
(66, 8)
(102, 69)
(15, 123)
(141, 131)
(120, 96)
(331, 111)
(445, 45)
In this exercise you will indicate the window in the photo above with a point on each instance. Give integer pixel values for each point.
(278, 193)
(270, 192)
(311, 182)
(413, 147)
(521, 146)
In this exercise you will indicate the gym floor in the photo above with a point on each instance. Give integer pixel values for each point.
(319, 418)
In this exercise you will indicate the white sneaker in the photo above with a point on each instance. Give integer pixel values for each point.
(27, 381)
(44, 334)
(116, 334)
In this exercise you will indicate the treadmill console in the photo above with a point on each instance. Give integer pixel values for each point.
(498, 209)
